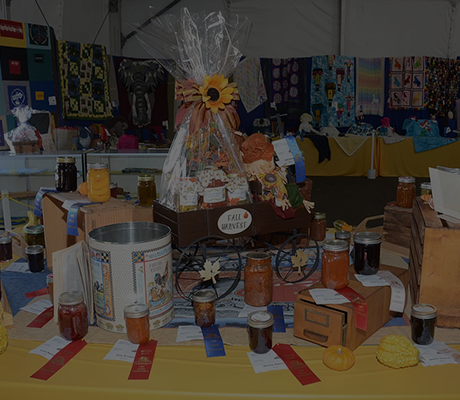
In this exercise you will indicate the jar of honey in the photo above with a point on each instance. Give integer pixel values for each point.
(260, 331)
(318, 227)
(98, 181)
(367, 252)
(72, 316)
(405, 193)
(335, 264)
(137, 323)
(66, 174)
(258, 279)
(146, 190)
(34, 235)
(204, 307)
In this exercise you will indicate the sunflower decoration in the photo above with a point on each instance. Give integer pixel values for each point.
(216, 92)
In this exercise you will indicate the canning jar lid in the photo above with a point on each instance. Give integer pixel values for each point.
(335, 245)
(204, 295)
(5, 240)
(145, 178)
(425, 185)
(320, 215)
(260, 319)
(424, 311)
(367, 238)
(34, 249)
(34, 229)
(257, 255)
(406, 179)
(65, 159)
(70, 298)
(98, 166)
(136, 310)
(343, 235)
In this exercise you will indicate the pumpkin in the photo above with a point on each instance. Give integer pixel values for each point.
(3, 333)
(397, 351)
(83, 189)
(338, 358)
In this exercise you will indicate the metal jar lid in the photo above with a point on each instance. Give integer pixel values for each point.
(425, 185)
(204, 296)
(5, 240)
(34, 249)
(34, 229)
(66, 160)
(367, 238)
(260, 319)
(145, 178)
(424, 311)
(257, 255)
(406, 179)
(335, 245)
(342, 235)
(320, 215)
(70, 298)
(136, 311)
(98, 166)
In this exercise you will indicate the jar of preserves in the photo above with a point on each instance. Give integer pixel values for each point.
(35, 235)
(146, 190)
(318, 227)
(405, 193)
(425, 190)
(335, 263)
(422, 322)
(258, 279)
(343, 235)
(6, 249)
(188, 194)
(204, 307)
(260, 331)
(237, 189)
(50, 285)
(214, 192)
(35, 257)
(72, 316)
(98, 181)
(137, 323)
(367, 252)
(113, 189)
(66, 174)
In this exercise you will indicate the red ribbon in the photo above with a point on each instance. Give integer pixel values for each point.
(35, 293)
(360, 305)
(42, 319)
(143, 360)
(295, 364)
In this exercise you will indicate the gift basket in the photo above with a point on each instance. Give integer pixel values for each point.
(24, 138)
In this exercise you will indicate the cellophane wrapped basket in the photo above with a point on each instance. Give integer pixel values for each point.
(203, 168)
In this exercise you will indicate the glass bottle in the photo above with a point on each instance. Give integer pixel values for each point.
(405, 192)
(66, 174)
(146, 190)
(204, 307)
(367, 252)
(137, 323)
(260, 331)
(335, 263)
(318, 227)
(422, 321)
(72, 316)
(98, 181)
(258, 279)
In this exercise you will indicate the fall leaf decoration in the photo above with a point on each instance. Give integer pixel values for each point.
(299, 260)
(210, 271)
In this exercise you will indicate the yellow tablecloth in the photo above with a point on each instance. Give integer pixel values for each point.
(180, 372)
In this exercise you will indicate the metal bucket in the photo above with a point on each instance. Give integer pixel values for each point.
(131, 263)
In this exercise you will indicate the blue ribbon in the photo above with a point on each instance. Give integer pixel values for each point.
(278, 314)
(213, 341)
(38, 200)
(298, 159)
(72, 222)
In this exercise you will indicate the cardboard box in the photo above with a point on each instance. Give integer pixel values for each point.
(88, 218)
(142, 214)
(334, 324)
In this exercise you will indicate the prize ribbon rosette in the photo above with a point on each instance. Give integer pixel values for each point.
(203, 168)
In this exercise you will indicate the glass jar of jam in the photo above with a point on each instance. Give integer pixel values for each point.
(35, 257)
(405, 193)
(6, 249)
(188, 194)
(425, 189)
(343, 235)
(422, 322)
(66, 174)
(50, 285)
(98, 181)
(318, 227)
(204, 307)
(335, 263)
(258, 279)
(137, 323)
(214, 192)
(260, 331)
(237, 189)
(113, 189)
(146, 190)
(34, 235)
(367, 252)
(72, 316)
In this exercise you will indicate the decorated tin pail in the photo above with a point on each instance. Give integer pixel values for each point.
(131, 263)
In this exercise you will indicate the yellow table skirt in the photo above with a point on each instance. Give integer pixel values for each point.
(184, 372)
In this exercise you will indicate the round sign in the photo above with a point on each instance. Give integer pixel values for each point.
(234, 221)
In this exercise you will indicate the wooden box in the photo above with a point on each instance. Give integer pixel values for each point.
(397, 225)
(434, 263)
(334, 324)
(88, 218)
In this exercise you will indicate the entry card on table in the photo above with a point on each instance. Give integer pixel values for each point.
(122, 350)
(269, 361)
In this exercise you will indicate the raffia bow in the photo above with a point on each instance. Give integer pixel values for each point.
(214, 96)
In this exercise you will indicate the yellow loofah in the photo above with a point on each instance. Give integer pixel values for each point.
(3, 333)
(396, 351)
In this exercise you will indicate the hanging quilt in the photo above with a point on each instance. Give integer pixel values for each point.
(370, 85)
(407, 83)
(83, 78)
(332, 93)
(251, 87)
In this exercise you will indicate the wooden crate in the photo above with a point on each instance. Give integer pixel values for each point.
(434, 263)
(334, 324)
(397, 225)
